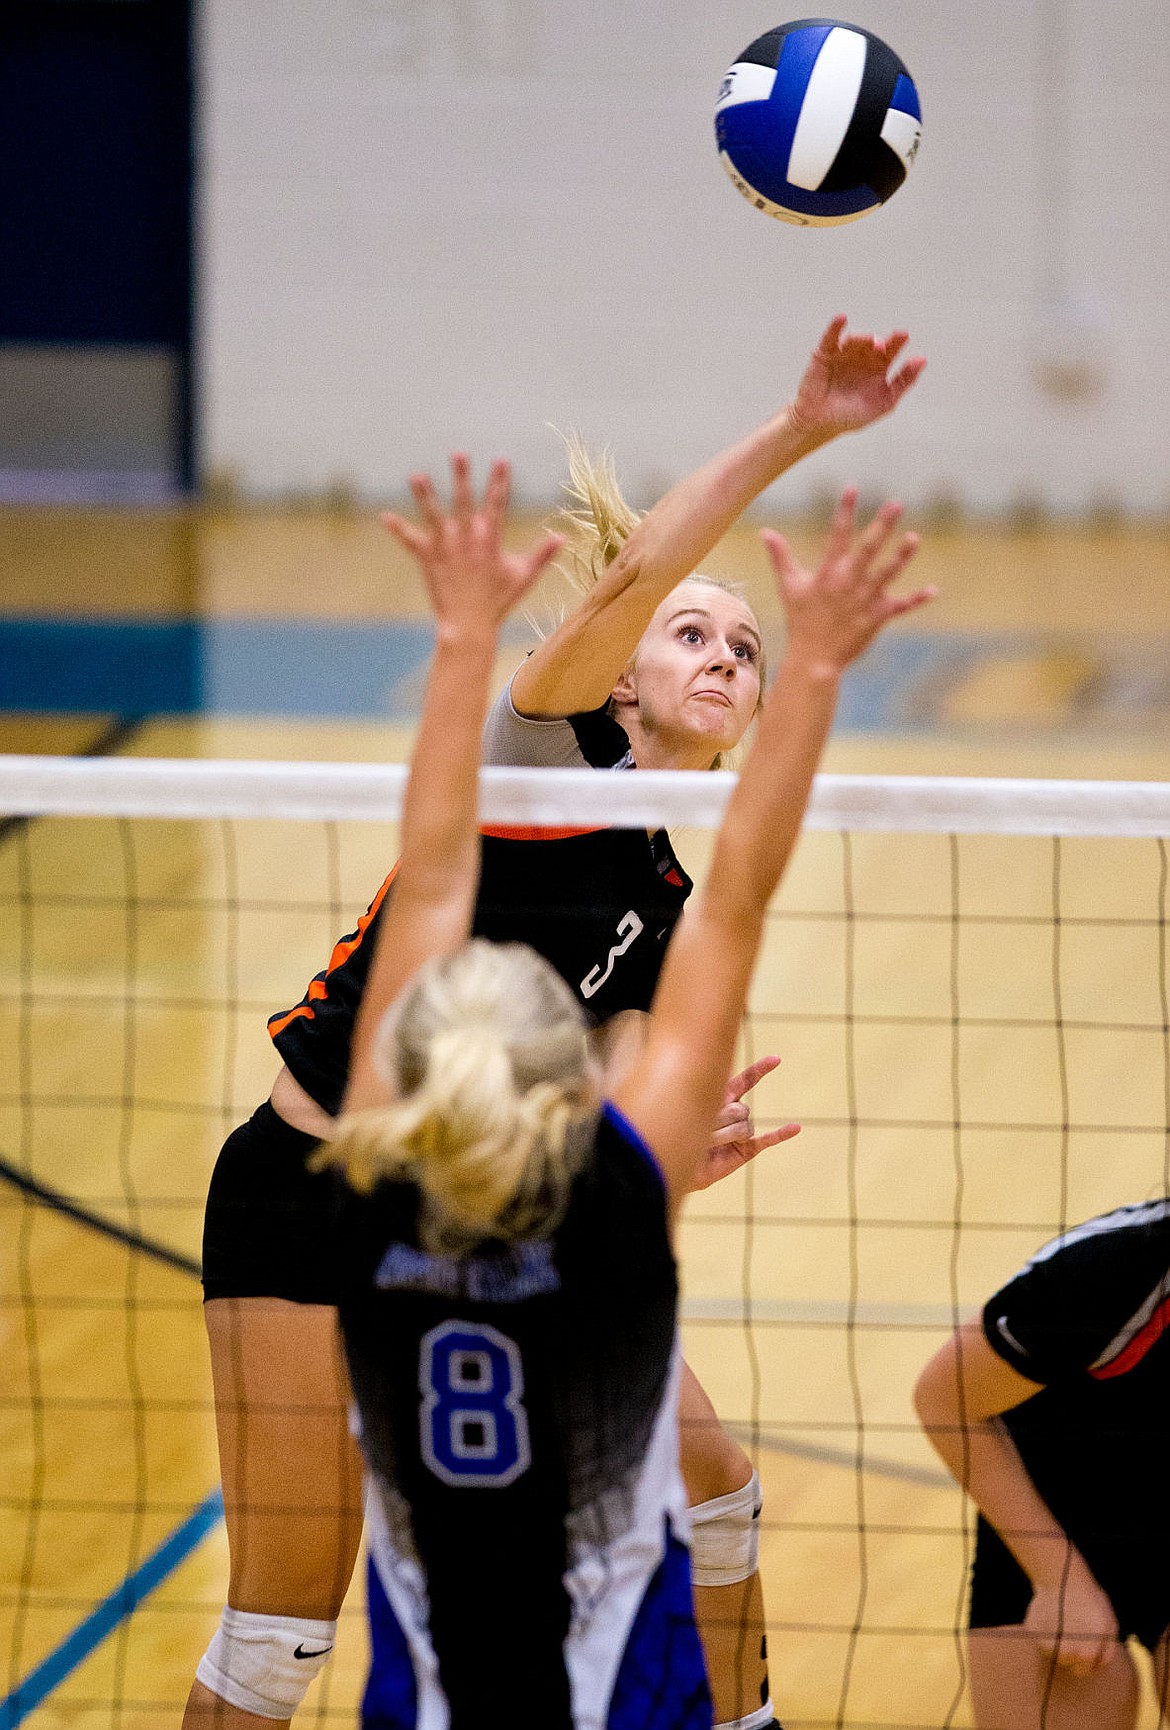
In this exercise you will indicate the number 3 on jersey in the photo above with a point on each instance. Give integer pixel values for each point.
(473, 1426)
(629, 927)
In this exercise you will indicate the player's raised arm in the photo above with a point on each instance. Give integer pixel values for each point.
(848, 384)
(674, 1090)
(472, 584)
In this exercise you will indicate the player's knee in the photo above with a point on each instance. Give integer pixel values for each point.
(264, 1664)
(713, 1464)
(725, 1536)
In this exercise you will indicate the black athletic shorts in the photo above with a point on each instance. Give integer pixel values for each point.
(1138, 1587)
(266, 1229)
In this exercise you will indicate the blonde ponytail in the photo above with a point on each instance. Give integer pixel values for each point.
(488, 1056)
(597, 519)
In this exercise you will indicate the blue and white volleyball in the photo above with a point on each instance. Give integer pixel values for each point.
(818, 122)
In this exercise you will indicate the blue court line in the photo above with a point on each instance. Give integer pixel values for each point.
(218, 666)
(122, 1602)
(376, 670)
(308, 667)
(885, 690)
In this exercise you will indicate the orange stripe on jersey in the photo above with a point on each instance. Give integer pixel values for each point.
(343, 949)
(318, 988)
(279, 1025)
(504, 832)
(1139, 1345)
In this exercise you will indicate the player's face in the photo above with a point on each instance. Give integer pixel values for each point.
(695, 677)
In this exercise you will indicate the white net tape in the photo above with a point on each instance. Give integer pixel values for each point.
(159, 787)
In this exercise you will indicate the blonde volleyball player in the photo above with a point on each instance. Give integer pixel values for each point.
(656, 668)
(509, 1300)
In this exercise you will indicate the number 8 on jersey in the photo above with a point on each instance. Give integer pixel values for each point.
(473, 1426)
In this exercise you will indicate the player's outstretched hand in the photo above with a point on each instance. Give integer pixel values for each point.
(834, 612)
(735, 1141)
(848, 383)
(1073, 1622)
(472, 582)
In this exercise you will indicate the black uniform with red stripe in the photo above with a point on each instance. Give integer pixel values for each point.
(599, 904)
(1089, 1317)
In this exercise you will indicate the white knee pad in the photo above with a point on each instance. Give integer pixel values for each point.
(764, 1718)
(725, 1537)
(264, 1664)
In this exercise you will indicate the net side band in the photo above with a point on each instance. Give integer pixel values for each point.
(35, 786)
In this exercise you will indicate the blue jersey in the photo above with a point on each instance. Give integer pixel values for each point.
(527, 1519)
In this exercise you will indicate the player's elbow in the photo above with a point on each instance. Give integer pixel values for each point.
(624, 569)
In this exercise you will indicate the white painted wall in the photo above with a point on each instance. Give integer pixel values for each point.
(429, 222)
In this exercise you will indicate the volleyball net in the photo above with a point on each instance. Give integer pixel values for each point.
(967, 984)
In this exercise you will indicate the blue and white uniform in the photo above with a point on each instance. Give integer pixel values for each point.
(518, 1411)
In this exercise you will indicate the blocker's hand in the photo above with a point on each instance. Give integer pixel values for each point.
(834, 612)
(847, 383)
(472, 582)
(735, 1142)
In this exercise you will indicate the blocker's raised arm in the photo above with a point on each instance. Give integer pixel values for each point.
(675, 1089)
(472, 584)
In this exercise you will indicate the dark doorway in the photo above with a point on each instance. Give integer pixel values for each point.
(95, 248)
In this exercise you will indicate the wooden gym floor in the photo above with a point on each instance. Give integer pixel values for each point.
(816, 1285)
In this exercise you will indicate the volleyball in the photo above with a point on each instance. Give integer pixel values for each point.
(818, 122)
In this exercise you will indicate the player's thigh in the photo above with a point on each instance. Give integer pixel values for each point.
(1016, 1686)
(291, 1470)
(713, 1464)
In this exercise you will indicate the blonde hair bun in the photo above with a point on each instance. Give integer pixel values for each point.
(487, 1053)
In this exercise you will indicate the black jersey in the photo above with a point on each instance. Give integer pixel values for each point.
(518, 1411)
(1089, 1318)
(598, 904)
